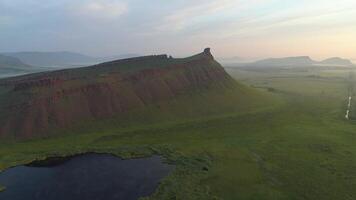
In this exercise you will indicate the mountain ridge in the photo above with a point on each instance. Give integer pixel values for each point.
(296, 61)
(287, 61)
(51, 59)
(8, 62)
(62, 59)
(337, 61)
(10, 66)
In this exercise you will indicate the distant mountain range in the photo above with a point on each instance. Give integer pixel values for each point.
(19, 63)
(300, 61)
(62, 59)
(52, 59)
(8, 61)
(10, 66)
(289, 61)
(337, 61)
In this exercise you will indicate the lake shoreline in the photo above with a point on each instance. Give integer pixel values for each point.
(76, 177)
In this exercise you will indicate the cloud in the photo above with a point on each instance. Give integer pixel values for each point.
(180, 26)
(100, 9)
(293, 21)
(200, 13)
(181, 18)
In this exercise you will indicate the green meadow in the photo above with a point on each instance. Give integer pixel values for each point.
(282, 136)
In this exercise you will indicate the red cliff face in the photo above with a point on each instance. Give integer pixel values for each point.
(35, 104)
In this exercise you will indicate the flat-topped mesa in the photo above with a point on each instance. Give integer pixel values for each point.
(35, 105)
(115, 66)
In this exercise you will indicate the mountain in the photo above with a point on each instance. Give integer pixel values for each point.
(11, 62)
(293, 62)
(39, 104)
(285, 62)
(336, 61)
(10, 66)
(53, 59)
(63, 59)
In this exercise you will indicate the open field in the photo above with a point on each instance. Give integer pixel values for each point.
(295, 145)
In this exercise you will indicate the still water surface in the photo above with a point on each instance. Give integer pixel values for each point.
(89, 177)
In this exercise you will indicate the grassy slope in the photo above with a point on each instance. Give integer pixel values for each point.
(295, 147)
(133, 138)
(185, 110)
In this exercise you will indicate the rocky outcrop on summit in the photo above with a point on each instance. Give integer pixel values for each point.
(34, 104)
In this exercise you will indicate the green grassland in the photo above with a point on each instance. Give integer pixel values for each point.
(287, 140)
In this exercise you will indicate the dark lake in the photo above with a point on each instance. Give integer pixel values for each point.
(84, 177)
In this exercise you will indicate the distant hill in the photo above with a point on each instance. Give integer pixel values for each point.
(8, 61)
(294, 62)
(43, 103)
(63, 59)
(285, 62)
(10, 66)
(53, 59)
(337, 62)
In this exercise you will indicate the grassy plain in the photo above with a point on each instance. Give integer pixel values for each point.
(292, 142)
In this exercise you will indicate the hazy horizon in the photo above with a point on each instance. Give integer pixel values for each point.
(249, 29)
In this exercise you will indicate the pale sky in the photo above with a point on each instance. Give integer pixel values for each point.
(244, 28)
